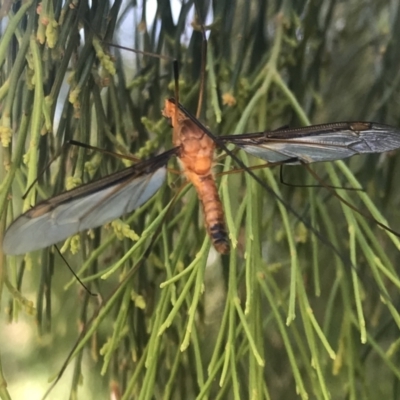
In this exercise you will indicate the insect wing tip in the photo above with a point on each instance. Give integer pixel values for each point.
(17, 239)
(381, 138)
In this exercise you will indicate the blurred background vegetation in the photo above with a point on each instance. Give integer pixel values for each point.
(283, 316)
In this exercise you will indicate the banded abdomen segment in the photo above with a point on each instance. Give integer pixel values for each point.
(213, 212)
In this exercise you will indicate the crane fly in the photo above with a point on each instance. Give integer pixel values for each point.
(97, 203)
(94, 204)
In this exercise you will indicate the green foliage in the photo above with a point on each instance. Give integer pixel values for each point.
(287, 313)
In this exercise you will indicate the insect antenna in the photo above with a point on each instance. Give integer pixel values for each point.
(176, 81)
(203, 62)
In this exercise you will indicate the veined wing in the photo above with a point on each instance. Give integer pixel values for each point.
(326, 142)
(85, 207)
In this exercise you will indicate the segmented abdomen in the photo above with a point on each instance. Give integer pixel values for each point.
(196, 154)
(213, 212)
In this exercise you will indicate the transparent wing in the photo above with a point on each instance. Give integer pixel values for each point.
(327, 142)
(85, 207)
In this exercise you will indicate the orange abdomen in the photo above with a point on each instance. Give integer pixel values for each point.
(196, 155)
(213, 212)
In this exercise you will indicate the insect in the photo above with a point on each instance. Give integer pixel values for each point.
(94, 204)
